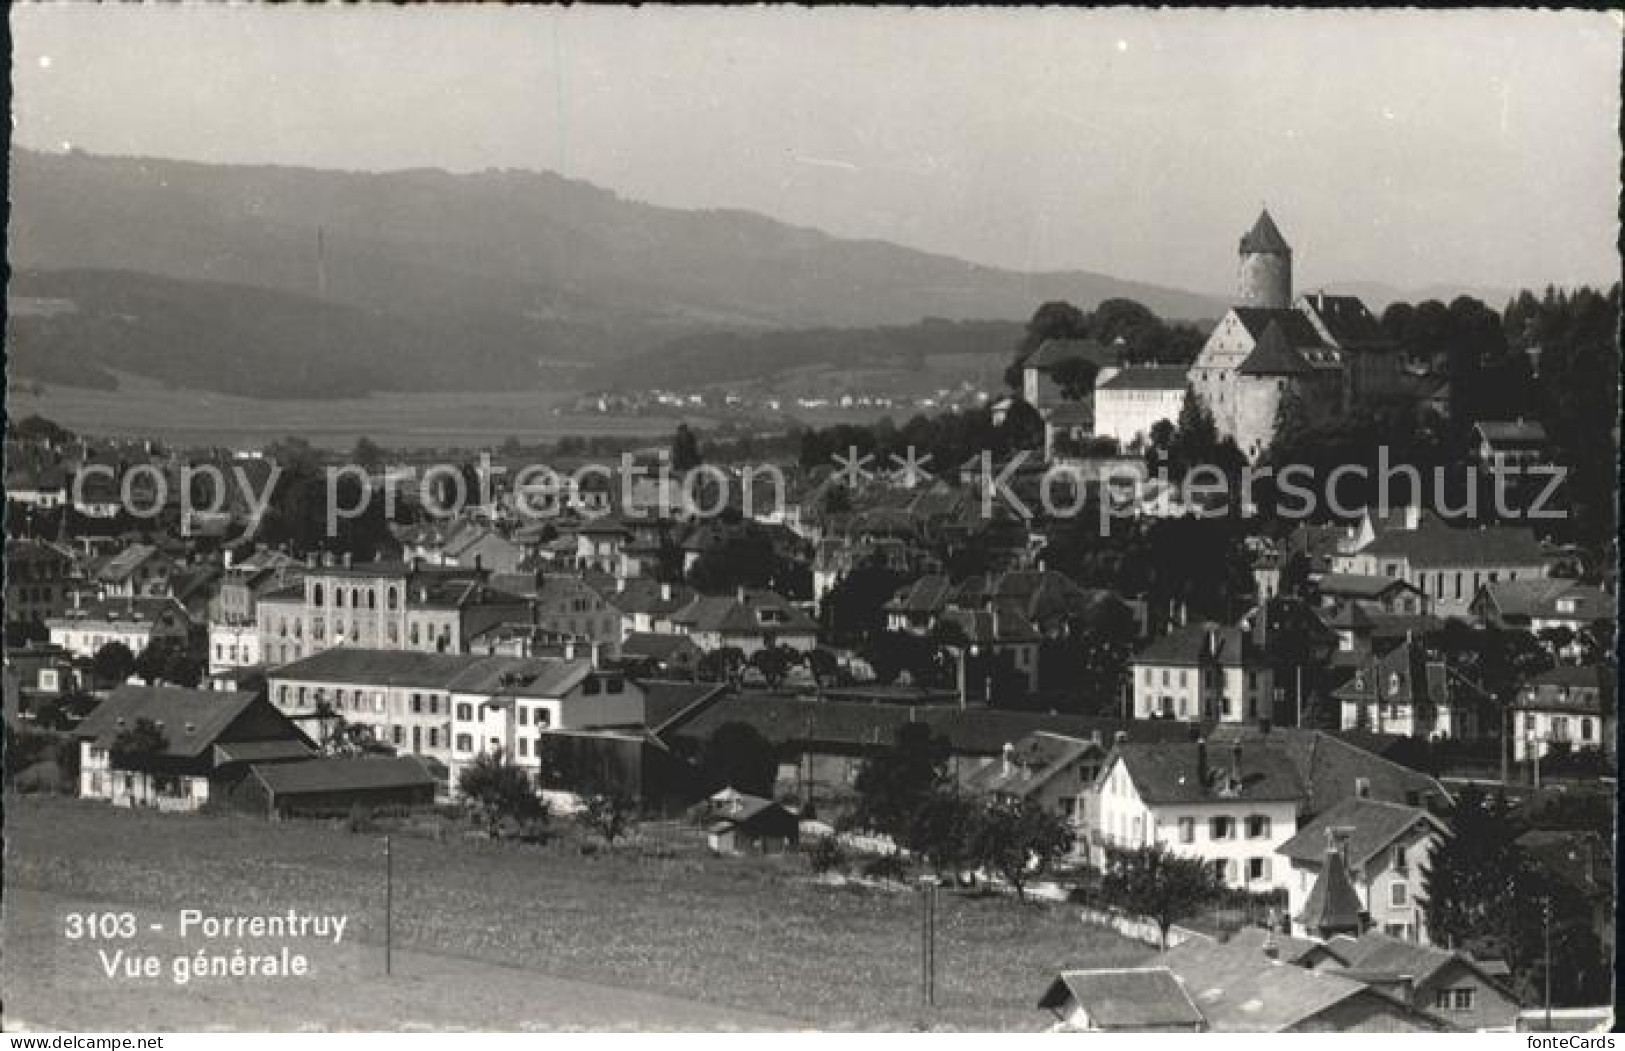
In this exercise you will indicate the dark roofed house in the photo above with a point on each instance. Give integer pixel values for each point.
(664, 652)
(1237, 987)
(749, 824)
(335, 785)
(208, 738)
(1122, 1000)
(1457, 990)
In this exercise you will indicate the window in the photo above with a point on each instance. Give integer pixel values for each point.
(524, 746)
(1221, 828)
(1399, 895)
(1221, 870)
(417, 704)
(338, 598)
(1187, 830)
(391, 599)
(591, 687)
(316, 595)
(395, 732)
(1402, 863)
(465, 743)
(434, 738)
(465, 712)
(524, 716)
(1585, 729)
(544, 717)
(1453, 999)
(1258, 827)
(1258, 868)
(1529, 722)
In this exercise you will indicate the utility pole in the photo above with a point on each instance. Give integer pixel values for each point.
(389, 908)
(1547, 919)
(928, 943)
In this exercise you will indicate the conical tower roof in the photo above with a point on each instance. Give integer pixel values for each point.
(1333, 906)
(1264, 238)
(1274, 355)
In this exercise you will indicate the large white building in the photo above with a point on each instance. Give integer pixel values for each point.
(1135, 399)
(1232, 806)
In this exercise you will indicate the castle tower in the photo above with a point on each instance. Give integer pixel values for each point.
(1264, 278)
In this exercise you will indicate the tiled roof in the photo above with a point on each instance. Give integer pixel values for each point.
(1583, 689)
(864, 724)
(1274, 355)
(1347, 320)
(1377, 954)
(665, 701)
(1433, 543)
(1195, 644)
(1126, 998)
(1329, 767)
(1169, 773)
(1034, 761)
(1333, 905)
(1265, 237)
(1299, 331)
(654, 645)
(191, 720)
(366, 667)
(728, 614)
(1240, 990)
(1374, 824)
(991, 625)
(339, 774)
(1147, 377)
(1360, 585)
(1052, 352)
(143, 610)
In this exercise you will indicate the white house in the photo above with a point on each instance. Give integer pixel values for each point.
(1207, 672)
(1232, 809)
(1136, 399)
(1566, 705)
(1382, 848)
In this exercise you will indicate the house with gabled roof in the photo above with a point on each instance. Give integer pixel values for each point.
(751, 619)
(208, 740)
(1230, 806)
(1572, 706)
(1374, 847)
(85, 627)
(1203, 985)
(1056, 771)
(1447, 563)
(1205, 672)
(1459, 991)
(1411, 692)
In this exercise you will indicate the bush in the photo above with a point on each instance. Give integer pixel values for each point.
(887, 866)
(826, 855)
(361, 820)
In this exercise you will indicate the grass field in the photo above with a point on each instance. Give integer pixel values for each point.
(752, 938)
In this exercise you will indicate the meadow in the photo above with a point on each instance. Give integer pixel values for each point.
(657, 918)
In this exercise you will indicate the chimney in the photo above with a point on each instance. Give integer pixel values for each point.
(1413, 516)
(347, 558)
(1120, 737)
(620, 585)
(1007, 759)
(227, 557)
(570, 649)
(1201, 761)
(1362, 788)
(1212, 641)
(1271, 950)
(740, 594)
(665, 592)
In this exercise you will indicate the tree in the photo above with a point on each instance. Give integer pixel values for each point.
(1195, 440)
(1023, 427)
(1020, 840)
(1473, 872)
(65, 712)
(499, 791)
(943, 829)
(892, 785)
(1053, 320)
(113, 663)
(169, 659)
(685, 449)
(1292, 423)
(138, 747)
(610, 814)
(774, 663)
(367, 454)
(721, 665)
(1076, 378)
(738, 756)
(1159, 885)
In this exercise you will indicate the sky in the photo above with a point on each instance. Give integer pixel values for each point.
(1414, 148)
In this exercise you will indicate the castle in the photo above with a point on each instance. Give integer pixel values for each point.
(1329, 350)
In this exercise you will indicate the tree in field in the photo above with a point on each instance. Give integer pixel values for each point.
(610, 814)
(738, 756)
(137, 747)
(1020, 840)
(1159, 885)
(499, 791)
(895, 783)
(685, 449)
(113, 663)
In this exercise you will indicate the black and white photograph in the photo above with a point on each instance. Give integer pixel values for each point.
(824, 520)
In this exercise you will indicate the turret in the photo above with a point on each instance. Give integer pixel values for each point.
(1264, 278)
